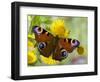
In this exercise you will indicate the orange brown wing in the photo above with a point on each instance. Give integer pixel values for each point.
(63, 47)
(45, 41)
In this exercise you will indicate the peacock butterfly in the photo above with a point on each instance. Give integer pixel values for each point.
(48, 44)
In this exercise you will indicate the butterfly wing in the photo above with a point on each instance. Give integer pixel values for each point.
(47, 44)
(45, 41)
(69, 44)
(63, 47)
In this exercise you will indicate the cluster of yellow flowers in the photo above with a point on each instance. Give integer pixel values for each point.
(32, 58)
(49, 60)
(58, 28)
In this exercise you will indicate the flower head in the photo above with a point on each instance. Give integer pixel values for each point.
(31, 42)
(49, 60)
(32, 58)
(80, 50)
(58, 28)
(32, 36)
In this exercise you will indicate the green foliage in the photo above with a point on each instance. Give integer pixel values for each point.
(38, 21)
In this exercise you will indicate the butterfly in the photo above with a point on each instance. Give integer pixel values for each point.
(48, 44)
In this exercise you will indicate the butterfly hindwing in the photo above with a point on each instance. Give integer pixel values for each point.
(63, 47)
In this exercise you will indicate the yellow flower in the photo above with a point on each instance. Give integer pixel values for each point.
(32, 36)
(31, 41)
(49, 60)
(80, 50)
(32, 58)
(67, 32)
(30, 45)
(58, 28)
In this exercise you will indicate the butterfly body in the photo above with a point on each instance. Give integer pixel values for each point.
(58, 47)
